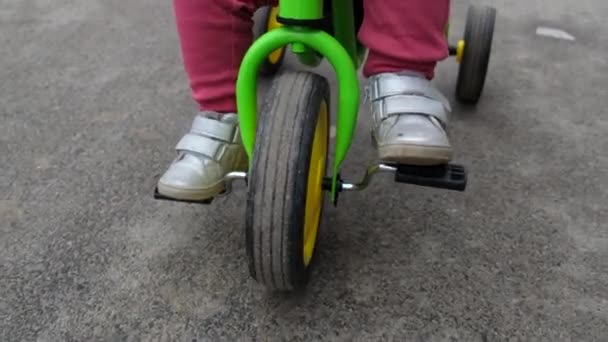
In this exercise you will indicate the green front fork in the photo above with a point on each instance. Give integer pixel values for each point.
(341, 50)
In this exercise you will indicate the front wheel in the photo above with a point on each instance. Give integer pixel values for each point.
(285, 195)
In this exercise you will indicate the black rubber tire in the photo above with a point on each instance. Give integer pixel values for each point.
(259, 28)
(478, 36)
(278, 180)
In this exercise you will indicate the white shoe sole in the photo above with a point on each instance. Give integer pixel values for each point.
(192, 194)
(415, 154)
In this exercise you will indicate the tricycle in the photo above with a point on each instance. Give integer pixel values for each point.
(288, 143)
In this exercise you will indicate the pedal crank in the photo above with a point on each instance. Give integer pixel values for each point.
(447, 176)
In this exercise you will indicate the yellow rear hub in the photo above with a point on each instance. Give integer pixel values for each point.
(272, 24)
(460, 50)
(314, 192)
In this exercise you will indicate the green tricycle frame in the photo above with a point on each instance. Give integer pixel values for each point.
(287, 144)
(301, 29)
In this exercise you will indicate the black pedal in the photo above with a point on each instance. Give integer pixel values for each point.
(158, 196)
(448, 176)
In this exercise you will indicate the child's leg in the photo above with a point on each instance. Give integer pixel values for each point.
(406, 39)
(214, 36)
(404, 35)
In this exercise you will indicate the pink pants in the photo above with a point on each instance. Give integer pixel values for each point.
(215, 34)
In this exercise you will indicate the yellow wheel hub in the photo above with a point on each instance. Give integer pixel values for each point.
(314, 192)
(460, 50)
(272, 24)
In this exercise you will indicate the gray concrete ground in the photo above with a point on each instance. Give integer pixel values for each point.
(93, 99)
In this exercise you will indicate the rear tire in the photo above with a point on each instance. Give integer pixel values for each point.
(273, 62)
(285, 194)
(478, 36)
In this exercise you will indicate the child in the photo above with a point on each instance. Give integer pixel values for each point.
(405, 38)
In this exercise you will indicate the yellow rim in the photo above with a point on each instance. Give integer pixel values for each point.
(460, 50)
(314, 192)
(272, 24)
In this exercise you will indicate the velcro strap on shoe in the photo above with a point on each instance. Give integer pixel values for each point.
(400, 104)
(201, 145)
(390, 85)
(214, 129)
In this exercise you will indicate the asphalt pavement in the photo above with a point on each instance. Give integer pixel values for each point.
(93, 98)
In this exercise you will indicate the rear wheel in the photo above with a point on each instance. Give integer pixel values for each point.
(285, 197)
(474, 53)
(267, 22)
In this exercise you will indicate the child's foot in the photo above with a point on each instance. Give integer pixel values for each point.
(410, 117)
(206, 154)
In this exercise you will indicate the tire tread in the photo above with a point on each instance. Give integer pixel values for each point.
(286, 127)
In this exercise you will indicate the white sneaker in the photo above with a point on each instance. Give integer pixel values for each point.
(410, 117)
(206, 154)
